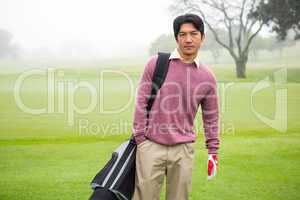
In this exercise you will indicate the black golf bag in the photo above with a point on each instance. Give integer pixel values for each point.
(116, 179)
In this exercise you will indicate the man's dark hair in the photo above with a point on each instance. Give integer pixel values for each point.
(188, 18)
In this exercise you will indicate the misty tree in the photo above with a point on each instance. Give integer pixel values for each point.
(260, 44)
(7, 48)
(213, 48)
(212, 45)
(164, 43)
(282, 15)
(278, 46)
(227, 14)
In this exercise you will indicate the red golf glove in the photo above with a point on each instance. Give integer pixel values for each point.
(212, 165)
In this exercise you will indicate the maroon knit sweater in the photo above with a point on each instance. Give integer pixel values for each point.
(171, 120)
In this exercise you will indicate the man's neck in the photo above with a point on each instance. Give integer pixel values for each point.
(187, 58)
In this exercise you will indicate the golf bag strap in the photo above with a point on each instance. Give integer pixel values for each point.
(159, 75)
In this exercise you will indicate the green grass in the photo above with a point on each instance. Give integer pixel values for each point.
(42, 157)
(258, 165)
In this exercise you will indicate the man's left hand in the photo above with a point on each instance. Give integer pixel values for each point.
(212, 165)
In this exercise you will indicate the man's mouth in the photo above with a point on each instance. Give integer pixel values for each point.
(188, 47)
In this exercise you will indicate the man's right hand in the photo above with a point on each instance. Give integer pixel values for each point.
(139, 139)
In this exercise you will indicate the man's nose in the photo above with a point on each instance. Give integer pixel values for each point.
(189, 38)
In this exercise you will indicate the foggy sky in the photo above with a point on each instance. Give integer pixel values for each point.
(85, 26)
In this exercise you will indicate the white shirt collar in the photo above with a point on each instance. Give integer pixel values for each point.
(175, 55)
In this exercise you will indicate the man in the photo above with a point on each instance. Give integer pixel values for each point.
(166, 146)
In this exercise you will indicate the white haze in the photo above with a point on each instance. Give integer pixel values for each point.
(85, 28)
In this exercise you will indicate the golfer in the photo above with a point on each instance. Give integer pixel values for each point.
(166, 146)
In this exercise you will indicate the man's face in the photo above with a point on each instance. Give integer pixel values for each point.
(189, 39)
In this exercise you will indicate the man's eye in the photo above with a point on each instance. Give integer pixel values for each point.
(181, 34)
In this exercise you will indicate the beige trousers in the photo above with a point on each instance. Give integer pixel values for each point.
(155, 161)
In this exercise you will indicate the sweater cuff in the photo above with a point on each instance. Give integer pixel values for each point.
(212, 151)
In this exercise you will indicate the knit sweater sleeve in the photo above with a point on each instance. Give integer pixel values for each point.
(210, 117)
